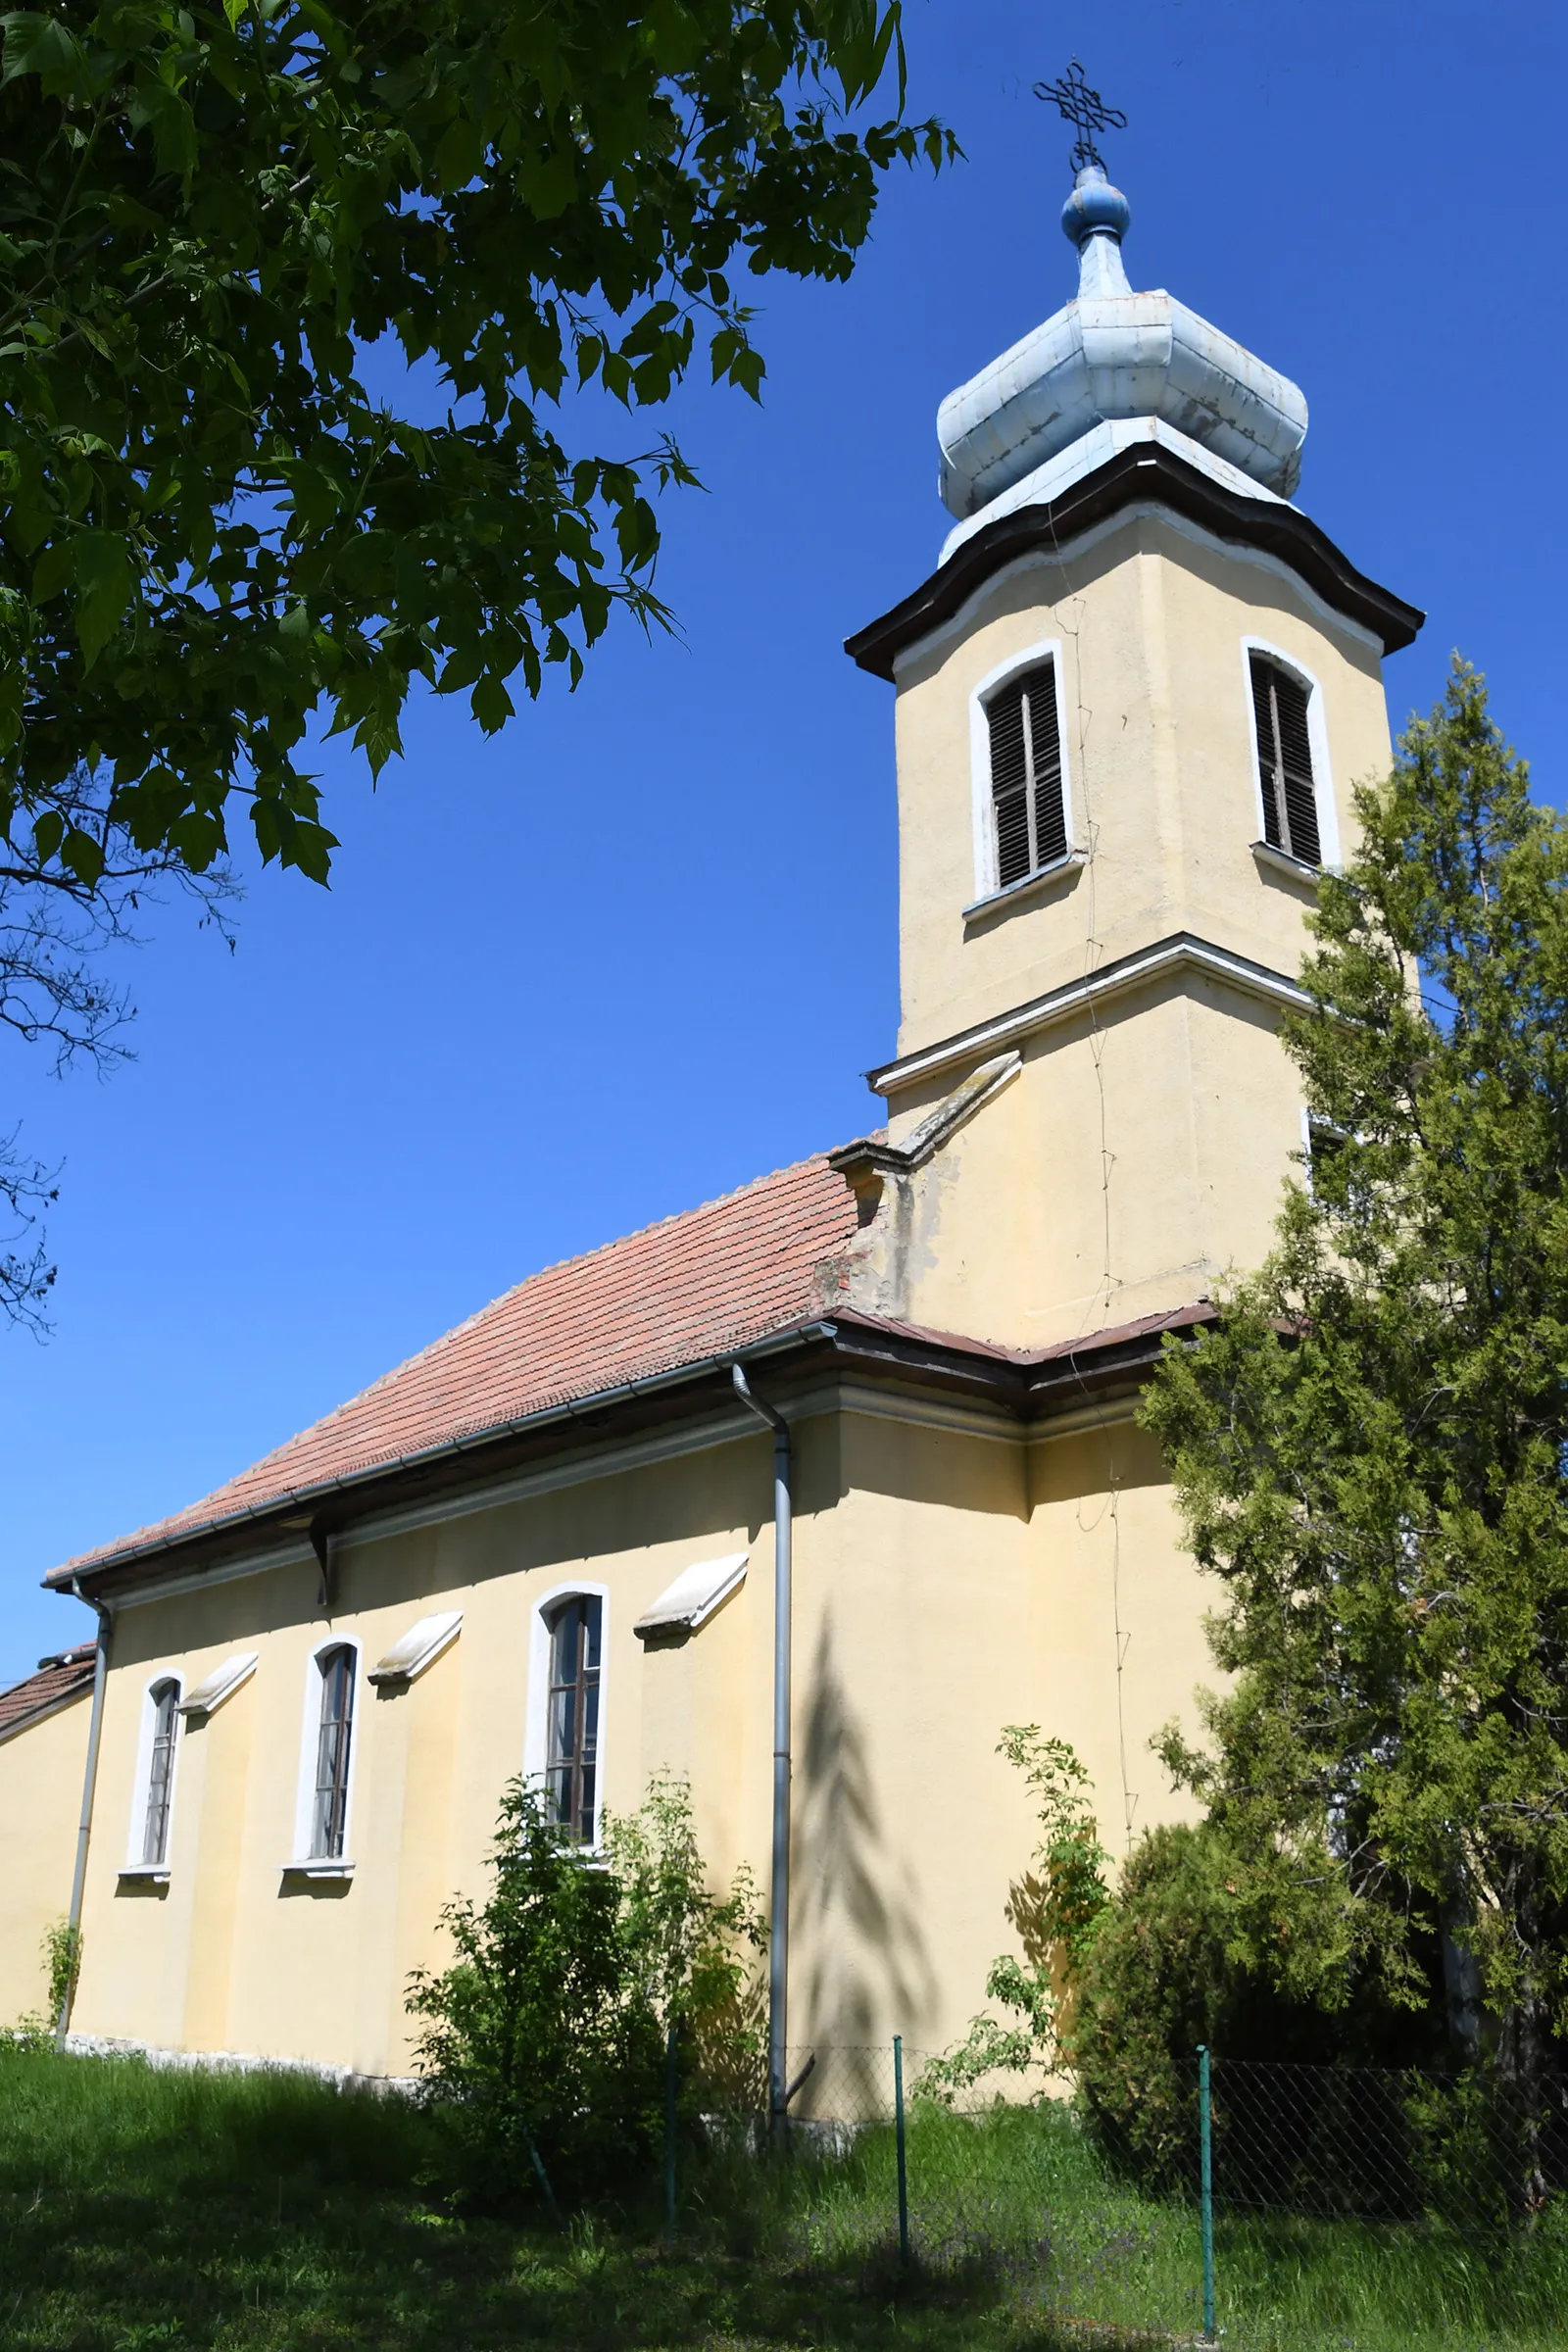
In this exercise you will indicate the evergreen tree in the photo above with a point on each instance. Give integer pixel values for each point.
(1370, 1447)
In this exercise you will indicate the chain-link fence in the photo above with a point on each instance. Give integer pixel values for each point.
(1269, 2204)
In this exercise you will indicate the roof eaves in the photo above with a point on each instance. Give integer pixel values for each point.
(290, 1501)
(1042, 1374)
(1146, 471)
(52, 1705)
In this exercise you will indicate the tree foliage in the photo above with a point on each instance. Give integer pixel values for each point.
(1056, 1909)
(209, 212)
(1370, 1448)
(695, 1952)
(544, 2040)
(1196, 1948)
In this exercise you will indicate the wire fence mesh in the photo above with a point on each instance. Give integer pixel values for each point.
(1350, 2207)
(1476, 2153)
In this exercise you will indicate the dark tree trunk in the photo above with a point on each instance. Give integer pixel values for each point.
(1524, 2056)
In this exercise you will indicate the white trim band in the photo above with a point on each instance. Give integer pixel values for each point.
(1181, 953)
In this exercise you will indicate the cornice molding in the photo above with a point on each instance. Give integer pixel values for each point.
(848, 1363)
(1181, 953)
(1141, 473)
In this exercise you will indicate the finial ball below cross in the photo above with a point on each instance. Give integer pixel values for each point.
(1085, 110)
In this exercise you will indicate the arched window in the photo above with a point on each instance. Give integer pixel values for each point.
(162, 1701)
(1280, 706)
(1028, 805)
(572, 1755)
(335, 1735)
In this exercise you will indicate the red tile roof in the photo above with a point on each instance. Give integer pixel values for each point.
(56, 1680)
(696, 1285)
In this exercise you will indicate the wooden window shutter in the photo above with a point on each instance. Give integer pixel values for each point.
(1285, 758)
(1026, 774)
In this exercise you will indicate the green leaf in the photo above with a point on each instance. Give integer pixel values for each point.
(48, 832)
(41, 45)
(103, 589)
(491, 704)
(459, 154)
(84, 855)
(55, 569)
(173, 125)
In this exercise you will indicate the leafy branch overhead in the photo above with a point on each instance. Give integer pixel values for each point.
(209, 215)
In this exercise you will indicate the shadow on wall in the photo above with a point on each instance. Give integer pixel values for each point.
(868, 1973)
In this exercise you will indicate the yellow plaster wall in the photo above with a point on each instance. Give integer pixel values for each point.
(1150, 618)
(237, 1954)
(974, 1582)
(1141, 1151)
(949, 1580)
(1138, 1154)
(40, 1804)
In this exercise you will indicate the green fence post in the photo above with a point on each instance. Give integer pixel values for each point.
(1205, 2156)
(898, 2135)
(669, 2134)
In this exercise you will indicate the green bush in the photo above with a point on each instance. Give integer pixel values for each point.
(1056, 1908)
(61, 1950)
(545, 2041)
(1162, 1976)
(1119, 1981)
(1186, 1953)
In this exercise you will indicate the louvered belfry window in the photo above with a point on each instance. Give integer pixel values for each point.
(1026, 774)
(1285, 758)
(329, 1815)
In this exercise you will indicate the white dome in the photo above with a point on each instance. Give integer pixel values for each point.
(1107, 358)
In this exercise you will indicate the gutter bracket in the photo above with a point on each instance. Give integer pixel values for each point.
(324, 1543)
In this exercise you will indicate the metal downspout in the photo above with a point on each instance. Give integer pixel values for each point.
(778, 1935)
(89, 1782)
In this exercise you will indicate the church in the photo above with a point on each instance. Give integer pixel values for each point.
(808, 1493)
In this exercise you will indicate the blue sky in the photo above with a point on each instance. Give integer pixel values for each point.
(640, 948)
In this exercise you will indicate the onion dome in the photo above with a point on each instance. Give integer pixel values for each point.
(1110, 368)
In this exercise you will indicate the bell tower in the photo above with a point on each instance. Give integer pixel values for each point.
(1130, 702)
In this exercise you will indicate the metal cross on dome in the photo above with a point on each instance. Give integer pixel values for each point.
(1085, 110)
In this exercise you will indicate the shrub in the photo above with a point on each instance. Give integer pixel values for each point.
(1190, 1950)
(1162, 1977)
(1055, 1907)
(545, 2040)
(1118, 1985)
(62, 1958)
(694, 1952)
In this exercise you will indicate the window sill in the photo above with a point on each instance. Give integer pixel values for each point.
(1280, 861)
(1061, 872)
(317, 1869)
(157, 1873)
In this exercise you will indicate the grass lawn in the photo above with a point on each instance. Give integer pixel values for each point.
(140, 2208)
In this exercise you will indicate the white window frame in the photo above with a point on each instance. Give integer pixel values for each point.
(325, 1866)
(1317, 737)
(133, 1866)
(1310, 1127)
(536, 1724)
(987, 881)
